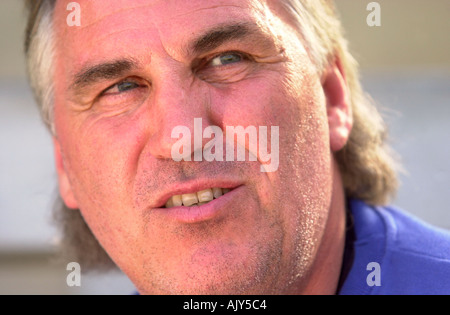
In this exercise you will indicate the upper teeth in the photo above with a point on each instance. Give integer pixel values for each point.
(199, 198)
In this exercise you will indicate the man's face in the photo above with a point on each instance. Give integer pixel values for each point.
(132, 72)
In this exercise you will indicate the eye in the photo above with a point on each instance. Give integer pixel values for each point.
(124, 95)
(226, 59)
(226, 67)
(122, 87)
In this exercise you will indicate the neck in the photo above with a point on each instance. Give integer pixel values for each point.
(326, 270)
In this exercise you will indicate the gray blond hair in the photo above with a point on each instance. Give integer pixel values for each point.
(39, 50)
(367, 165)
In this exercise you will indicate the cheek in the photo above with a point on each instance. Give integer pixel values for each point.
(299, 192)
(101, 162)
(296, 104)
(247, 103)
(100, 156)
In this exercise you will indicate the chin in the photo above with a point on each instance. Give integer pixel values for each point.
(225, 271)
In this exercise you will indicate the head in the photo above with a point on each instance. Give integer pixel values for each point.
(113, 89)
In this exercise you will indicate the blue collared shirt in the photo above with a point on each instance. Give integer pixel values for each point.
(396, 253)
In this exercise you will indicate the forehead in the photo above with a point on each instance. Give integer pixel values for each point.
(110, 24)
(161, 10)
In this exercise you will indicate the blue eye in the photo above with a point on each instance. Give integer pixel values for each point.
(125, 86)
(226, 59)
(121, 87)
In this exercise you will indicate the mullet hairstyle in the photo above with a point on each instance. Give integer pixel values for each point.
(367, 164)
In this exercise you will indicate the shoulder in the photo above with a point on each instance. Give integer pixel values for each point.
(414, 257)
(409, 234)
(417, 255)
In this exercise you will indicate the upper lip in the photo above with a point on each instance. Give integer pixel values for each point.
(191, 187)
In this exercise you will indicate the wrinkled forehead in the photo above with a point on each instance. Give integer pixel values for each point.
(136, 29)
(172, 19)
(161, 10)
(112, 25)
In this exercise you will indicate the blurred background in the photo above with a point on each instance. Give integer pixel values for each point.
(405, 67)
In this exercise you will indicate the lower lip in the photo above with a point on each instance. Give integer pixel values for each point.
(197, 214)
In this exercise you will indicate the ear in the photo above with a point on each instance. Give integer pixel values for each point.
(65, 188)
(340, 120)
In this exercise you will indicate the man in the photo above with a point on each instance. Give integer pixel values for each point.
(115, 88)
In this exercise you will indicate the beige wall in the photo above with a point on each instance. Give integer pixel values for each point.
(413, 33)
(12, 26)
(32, 273)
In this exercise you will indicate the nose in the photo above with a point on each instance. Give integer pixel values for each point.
(179, 101)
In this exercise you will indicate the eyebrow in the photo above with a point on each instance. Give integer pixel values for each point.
(222, 34)
(104, 71)
(206, 42)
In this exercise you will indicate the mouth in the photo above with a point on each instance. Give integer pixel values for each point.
(199, 198)
(195, 204)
